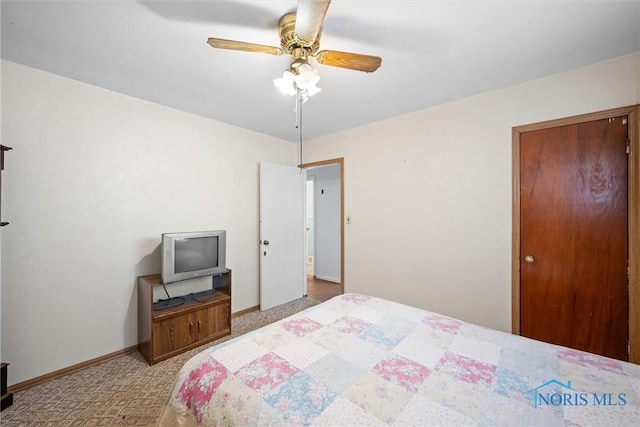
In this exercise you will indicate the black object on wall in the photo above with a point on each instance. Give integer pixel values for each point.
(6, 399)
(2, 150)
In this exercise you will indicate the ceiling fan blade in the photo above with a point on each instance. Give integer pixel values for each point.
(244, 46)
(309, 17)
(352, 61)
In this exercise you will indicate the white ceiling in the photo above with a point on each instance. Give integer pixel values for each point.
(433, 52)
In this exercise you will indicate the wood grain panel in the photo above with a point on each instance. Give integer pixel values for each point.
(173, 333)
(573, 222)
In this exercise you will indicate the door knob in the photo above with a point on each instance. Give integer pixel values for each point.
(529, 259)
(266, 242)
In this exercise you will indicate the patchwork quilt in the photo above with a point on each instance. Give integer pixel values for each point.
(357, 360)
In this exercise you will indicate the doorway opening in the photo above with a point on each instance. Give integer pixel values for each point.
(324, 248)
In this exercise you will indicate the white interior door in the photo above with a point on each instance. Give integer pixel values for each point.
(282, 232)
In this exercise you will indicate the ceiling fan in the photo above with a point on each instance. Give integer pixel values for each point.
(300, 37)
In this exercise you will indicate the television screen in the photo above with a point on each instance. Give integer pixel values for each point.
(196, 253)
(193, 254)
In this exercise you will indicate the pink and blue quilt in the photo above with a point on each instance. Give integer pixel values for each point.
(357, 360)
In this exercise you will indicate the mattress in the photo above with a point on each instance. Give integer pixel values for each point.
(360, 360)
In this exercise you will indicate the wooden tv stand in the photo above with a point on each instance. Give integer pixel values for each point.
(170, 331)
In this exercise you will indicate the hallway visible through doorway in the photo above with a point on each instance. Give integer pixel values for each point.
(322, 290)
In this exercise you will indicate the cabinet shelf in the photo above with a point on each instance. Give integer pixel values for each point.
(189, 306)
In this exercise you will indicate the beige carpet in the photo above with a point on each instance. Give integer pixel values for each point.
(125, 391)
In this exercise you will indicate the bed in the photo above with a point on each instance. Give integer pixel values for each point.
(357, 360)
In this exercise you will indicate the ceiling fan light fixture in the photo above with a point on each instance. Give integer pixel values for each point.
(286, 83)
(306, 77)
(300, 77)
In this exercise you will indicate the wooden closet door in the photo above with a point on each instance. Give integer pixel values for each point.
(573, 219)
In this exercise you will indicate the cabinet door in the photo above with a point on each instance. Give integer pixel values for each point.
(213, 320)
(173, 333)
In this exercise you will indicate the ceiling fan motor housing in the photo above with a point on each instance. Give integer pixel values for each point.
(290, 41)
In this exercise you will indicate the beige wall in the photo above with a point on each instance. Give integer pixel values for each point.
(429, 193)
(93, 180)
(95, 177)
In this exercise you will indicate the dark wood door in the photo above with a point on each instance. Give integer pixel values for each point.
(573, 229)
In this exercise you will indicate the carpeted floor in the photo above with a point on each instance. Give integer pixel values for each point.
(125, 391)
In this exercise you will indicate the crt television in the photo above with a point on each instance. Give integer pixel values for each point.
(193, 254)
